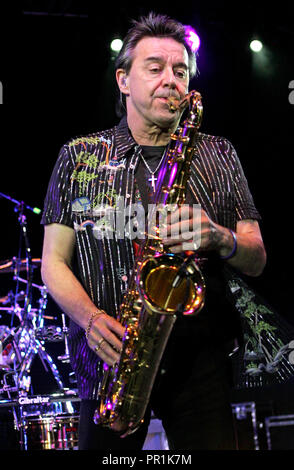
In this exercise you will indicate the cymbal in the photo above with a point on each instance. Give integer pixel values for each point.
(10, 265)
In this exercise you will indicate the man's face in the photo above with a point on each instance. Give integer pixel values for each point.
(159, 70)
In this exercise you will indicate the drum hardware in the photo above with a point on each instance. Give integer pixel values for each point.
(20, 344)
(7, 377)
(72, 378)
(42, 301)
(42, 289)
(65, 357)
(33, 312)
(16, 265)
(11, 298)
(49, 334)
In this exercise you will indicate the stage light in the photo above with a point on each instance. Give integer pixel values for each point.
(256, 45)
(116, 45)
(192, 38)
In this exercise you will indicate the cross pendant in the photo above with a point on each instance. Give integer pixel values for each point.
(152, 179)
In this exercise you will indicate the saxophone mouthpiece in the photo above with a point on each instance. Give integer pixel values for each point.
(173, 103)
(179, 105)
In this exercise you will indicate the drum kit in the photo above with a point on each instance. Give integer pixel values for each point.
(41, 422)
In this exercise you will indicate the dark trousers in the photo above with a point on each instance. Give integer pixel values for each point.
(191, 396)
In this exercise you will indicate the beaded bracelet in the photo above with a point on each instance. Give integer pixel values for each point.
(230, 255)
(90, 322)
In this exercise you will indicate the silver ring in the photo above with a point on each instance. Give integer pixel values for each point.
(99, 344)
(193, 245)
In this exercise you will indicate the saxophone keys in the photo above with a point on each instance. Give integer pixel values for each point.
(180, 158)
(178, 186)
(184, 139)
(137, 307)
(165, 189)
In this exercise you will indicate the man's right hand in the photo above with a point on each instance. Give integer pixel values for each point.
(105, 338)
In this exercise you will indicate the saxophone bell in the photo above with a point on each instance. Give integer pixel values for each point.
(171, 284)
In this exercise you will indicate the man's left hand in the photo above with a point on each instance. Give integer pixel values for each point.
(190, 228)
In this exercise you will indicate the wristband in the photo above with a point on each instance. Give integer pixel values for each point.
(90, 322)
(230, 255)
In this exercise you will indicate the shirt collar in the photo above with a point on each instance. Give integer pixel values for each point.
(123, 139)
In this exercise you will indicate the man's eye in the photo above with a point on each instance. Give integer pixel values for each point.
(181, 73)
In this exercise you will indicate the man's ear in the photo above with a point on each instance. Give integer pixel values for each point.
(122, 81)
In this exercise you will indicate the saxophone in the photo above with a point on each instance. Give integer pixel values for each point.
(162, 285)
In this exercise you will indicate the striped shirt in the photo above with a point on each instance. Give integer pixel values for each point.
(93, 180)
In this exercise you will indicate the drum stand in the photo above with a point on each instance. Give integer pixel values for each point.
(32, 334)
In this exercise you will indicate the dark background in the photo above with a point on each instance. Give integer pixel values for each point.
(58, 82)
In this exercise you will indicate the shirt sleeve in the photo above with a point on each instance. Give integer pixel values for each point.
(58, 200)
(244, 203)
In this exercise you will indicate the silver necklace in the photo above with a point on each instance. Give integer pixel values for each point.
(152, 179)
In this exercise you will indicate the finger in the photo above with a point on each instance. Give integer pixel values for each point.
(184, 230)
(185, 246)
(187, 211)
(192, 244)
(185, 237)
(115, 326)
(180, 213)
(108, 330)
(107, 354)
(175, 231)
(105, 323)
(176, 248)
(111, 338)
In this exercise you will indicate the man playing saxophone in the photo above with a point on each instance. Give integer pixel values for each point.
(87, 270)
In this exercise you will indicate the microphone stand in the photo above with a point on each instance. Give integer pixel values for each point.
(20, 207)
(29, 269)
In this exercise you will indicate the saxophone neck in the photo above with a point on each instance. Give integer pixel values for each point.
(194, 100)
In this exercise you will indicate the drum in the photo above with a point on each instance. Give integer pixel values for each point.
(51, 426)
(50, 432)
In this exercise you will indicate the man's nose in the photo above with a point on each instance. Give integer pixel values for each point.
(169, 77)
